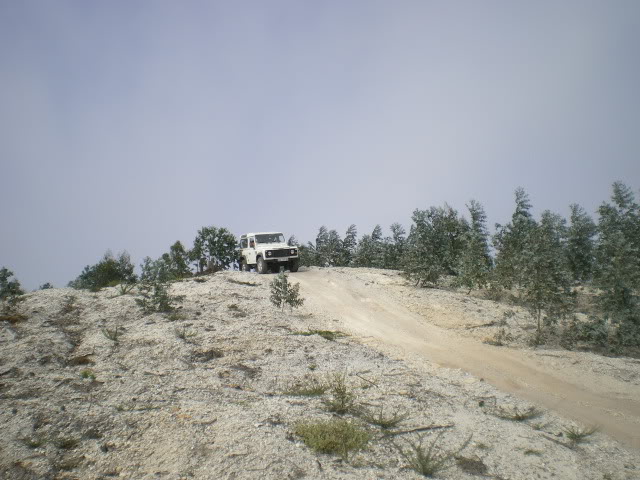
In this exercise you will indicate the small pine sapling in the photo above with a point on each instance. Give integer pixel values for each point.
(283, 293)
(155, 297)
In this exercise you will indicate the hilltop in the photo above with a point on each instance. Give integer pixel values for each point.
(91, 388)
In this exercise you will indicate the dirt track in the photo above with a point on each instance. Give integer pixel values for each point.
(378, 318)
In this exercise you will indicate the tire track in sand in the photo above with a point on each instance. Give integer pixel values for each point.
(389, 323)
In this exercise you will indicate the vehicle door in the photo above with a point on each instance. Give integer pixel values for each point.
(251, 251)
(243, 246)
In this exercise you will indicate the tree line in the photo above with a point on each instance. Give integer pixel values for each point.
(213, 249)
(540, 263)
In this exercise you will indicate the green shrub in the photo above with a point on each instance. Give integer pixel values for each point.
(283, 293)
(69, 305)
(213, 249)
(109, 271)
(88, 373)
(333, 436)
(157, 271)
(154, 297)
(112, 334)
(10, 291)
(342, 396)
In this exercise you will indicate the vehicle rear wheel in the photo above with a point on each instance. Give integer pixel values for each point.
(294, 265)
(262, 266)
(243, 266)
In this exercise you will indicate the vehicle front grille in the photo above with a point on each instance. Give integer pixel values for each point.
(283, 252)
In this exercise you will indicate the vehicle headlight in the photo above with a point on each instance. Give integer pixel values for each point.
(293, 251)
(268, 253)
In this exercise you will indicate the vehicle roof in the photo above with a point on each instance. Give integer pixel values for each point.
(262, 233)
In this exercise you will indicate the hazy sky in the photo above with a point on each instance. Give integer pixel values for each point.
(129, 125)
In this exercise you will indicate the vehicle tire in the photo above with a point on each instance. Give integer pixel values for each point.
(294, 265)
(262, 266)
(243, 266)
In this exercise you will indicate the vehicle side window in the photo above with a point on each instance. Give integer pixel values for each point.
(243, 243)
(252, 243)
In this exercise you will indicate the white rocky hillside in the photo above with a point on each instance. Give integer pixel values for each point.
(228, 386)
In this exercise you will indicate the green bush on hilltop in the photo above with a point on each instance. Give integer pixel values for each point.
(108, 272)
(10, 290)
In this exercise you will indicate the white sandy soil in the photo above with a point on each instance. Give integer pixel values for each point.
(215, 406)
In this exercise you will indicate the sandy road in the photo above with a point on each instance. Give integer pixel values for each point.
(378, 317)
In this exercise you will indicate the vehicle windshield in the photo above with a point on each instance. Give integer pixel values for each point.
(270, 238)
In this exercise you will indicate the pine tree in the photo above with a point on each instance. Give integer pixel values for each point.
(394, 247)
(322, 239)
(365, 252)
(315, 254)
(513, 243)
(283, 293)
(370, 250)
(333, 249)
(475, 261)
(349, 245)
(307, 254)
(617, 272)
(581, 244)
(546, 278)
(377, 247)
(376, 234)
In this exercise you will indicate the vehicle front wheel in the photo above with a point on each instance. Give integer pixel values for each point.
(262, 266)
(294, 265)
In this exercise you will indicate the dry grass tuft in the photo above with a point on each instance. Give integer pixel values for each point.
(12, 318)
(382, 420)
(432, 459)
(577, 435)
(309, 386)
(516, 414)
(330, 335)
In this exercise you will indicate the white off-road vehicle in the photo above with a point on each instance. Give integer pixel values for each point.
(267, 251)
